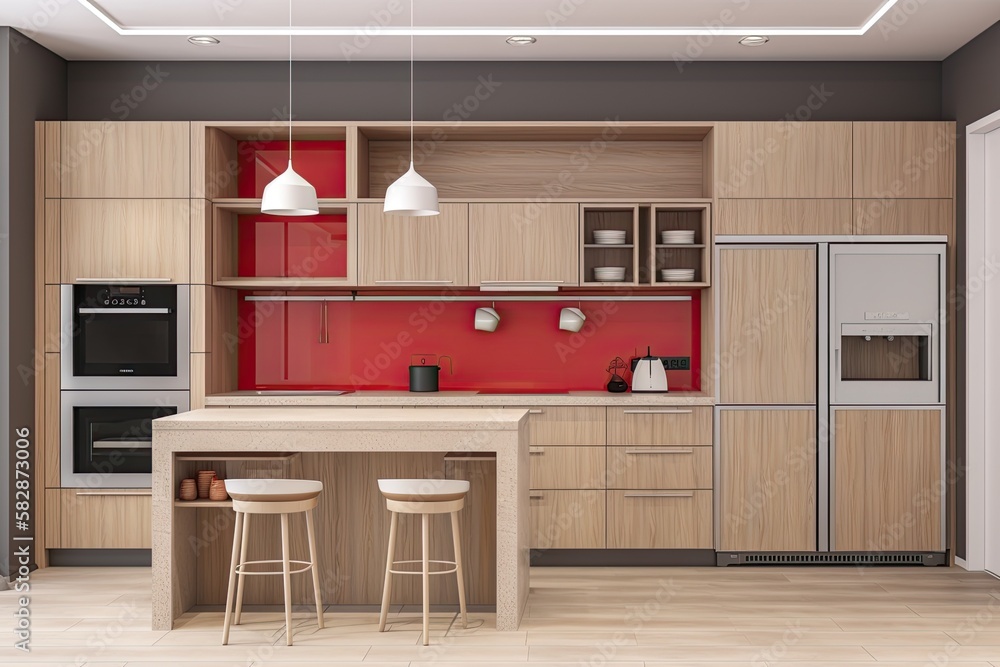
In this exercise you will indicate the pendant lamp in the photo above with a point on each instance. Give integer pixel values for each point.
(289, 193)
(411, 194)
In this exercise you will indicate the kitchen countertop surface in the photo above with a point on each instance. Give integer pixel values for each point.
(274, 418)
(455, 399)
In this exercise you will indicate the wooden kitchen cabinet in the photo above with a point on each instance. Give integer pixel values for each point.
(552, 426)
(659, 467)
(767, 488)
(768, 160)
(642, 426)
(783, 216)
(568, 467)
(106, 519)
(568, 519)
(679, 519)
(904, 160)
(767, 326)
(890, 217)
(397, 251)
(125, 160)
(532, 242)
(125, 239)
(888, 486)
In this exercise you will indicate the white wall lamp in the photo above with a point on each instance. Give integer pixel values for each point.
(487, 319)
(411, 194)
(571, 319)
(289, 193)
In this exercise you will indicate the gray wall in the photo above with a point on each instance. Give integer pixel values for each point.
(970, 91)
(32, 87)
(526, 91)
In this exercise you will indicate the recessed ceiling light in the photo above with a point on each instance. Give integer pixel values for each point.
(203, 40)
(755, 40)
(521, 40)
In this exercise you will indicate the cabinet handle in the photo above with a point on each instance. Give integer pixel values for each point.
(536, 412)
(123, 280)
(324, 324)
(414, 282)
(658, 412)
(662, 494)
(659, 450)
(128, 492)
(521, 282)
(536, 450)
(536, 496)
(523, 285)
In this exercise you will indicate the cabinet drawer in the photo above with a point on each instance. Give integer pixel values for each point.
(106, 519)
(660, 519)
(568, 519)
(567, 425)
(659, 467)
(660, 426)
(568, 467)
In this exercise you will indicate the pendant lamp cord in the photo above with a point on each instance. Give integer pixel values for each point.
(289, 82)
(411, 82)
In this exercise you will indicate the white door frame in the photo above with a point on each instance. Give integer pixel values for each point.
(980, 268)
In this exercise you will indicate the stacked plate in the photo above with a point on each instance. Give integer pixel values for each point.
(609, 274)
(676, 275)
(677, 237)
(609, 236)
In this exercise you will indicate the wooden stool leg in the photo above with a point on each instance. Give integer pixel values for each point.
(286, 571)
(425, 551)
(455, 537)
(237, 538)
(243, 560)
(387, 586)
(315, 567)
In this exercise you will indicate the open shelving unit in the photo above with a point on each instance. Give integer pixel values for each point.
(231, 465)
(697, 255)
(594, 217)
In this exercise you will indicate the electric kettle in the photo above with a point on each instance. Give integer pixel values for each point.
(648, 374)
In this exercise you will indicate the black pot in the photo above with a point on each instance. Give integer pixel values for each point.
(425, 377)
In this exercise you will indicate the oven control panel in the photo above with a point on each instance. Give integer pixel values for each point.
(126, 296)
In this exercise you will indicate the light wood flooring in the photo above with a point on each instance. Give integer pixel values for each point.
(641, 617)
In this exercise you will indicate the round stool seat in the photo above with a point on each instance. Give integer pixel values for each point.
(423, 490)
(273, 490)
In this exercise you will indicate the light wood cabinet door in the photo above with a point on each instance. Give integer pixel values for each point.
(422, 252)
(768, 480)
(778, 160)
(524, 243)
(126, 239)
(659, 519)
(106, 519)
(783, 216)
(659, 467)
(891, 217)
(125, 160)
(643, 426)
(554, 426)
(887, 486)
(904, 159)
(767, 326)
(568, 519)
(568, 467)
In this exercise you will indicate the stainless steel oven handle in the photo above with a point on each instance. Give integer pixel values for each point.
(114, 281)
(119, 444)
(122, 311)
(123, 492)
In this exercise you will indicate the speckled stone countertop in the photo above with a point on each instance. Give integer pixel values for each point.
(456, 399)
(271, 418)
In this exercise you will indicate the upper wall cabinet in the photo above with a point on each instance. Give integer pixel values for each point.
(397, 251)
(126, 239)
(905, 160)
(783, 160)
(783, 216)
(125, 160)
(891, 217)
(521, 243)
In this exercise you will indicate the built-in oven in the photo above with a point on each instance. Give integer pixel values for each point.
(107, 436)
(125, 336)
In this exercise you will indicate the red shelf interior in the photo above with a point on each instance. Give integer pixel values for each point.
(322, 163)
(370, 343)
(308, 247)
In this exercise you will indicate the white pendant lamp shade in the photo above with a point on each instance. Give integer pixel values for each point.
(289, 194)
(411, 195)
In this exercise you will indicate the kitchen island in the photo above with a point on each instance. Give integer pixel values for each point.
(219, 434)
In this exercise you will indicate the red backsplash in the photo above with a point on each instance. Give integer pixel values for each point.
(310, 247)
(322, 163)
(370, 343)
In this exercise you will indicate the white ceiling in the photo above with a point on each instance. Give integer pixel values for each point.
(909, 30)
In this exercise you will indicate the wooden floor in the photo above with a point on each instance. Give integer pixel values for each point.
(610, 616)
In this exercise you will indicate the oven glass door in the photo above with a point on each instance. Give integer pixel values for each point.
(115, 440)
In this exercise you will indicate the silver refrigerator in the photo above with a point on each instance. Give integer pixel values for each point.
(842, 460)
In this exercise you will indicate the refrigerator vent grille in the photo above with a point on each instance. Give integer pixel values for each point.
(830, 559)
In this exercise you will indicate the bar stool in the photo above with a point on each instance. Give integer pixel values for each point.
(424, 497)
(271, 496)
